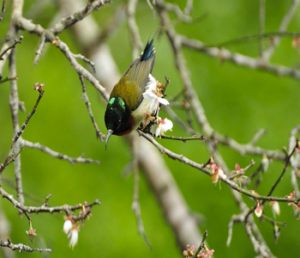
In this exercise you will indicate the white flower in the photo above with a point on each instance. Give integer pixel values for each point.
(265, 162)
(153, 101)
(71, 228)
(152, 98)
(163, 125)
(151, 95)
(217, 173)
(258, 210)
(68, 226)
(275, 207)
(73, 237)
(151, 84)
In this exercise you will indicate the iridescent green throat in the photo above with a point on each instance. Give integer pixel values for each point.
(117, 116)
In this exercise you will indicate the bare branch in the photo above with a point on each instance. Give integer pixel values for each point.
(244, 61)
(181, 15)
(203, 169)
(78, 16)
(133, 28)
(248, 148)
(23, 127)
(87, 102)
(183, 139)
(55, 154)
(44, 208)
(22, 248)
(86, 60)
(39, 50)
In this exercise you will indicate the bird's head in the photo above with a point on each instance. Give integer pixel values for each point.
(117, 117)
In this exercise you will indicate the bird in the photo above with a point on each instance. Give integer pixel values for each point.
(134, 96)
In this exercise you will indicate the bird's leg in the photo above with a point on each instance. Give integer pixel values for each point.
(147, 122)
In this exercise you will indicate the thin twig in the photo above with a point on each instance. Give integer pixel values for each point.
(251, 37)
(183, 139)
(9, 159)
(29, 116)
(40, 48)
(87, 102)
(234, 219)
(260, 133)
(247, 148)
(55, 154)
(276, 183)
(286, 164)
(88, 61)
(11, 46)
(181, 15)
(202, 244)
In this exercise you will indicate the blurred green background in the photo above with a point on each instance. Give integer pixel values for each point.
(238, 102)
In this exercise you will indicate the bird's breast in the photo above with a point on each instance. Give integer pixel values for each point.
(146, 107)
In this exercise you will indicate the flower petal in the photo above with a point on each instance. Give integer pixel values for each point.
(163, 101)
(67, 226)
(73, 237)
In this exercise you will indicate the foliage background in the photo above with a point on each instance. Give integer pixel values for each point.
(238, 102)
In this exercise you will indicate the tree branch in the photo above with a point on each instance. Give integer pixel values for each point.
(22, 248)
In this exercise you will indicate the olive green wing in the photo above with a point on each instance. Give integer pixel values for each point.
(132, 85)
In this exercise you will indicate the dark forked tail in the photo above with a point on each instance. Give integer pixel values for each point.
(148, 52)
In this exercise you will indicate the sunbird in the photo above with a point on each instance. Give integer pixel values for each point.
(135, 97)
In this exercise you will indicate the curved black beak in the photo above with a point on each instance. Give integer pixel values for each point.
(109, 133)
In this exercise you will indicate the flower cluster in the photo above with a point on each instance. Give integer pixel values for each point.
(71, 228)
(216, 171)
(154, 98)
(259, 209)
(296, 206)
(205, 252)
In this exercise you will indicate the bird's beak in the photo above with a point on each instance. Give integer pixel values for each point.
(109, 133)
